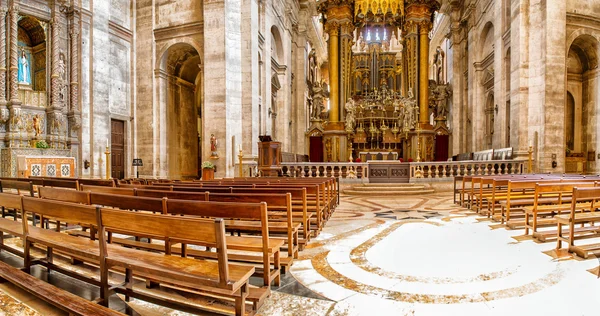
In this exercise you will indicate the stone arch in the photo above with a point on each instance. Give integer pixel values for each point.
(277, 44)
(180, 97)
(32, 42)
(486, 40)
(581, 101)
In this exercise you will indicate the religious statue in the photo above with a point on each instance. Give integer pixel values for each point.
(438, 59)
(317, 108)
(24, 73)
(61, 67)
(350, 114)
(213, 146)
(442, 100)
(37, 124)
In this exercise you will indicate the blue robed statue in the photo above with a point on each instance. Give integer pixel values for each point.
(24, 73)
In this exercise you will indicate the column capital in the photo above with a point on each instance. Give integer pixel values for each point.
(332, 28)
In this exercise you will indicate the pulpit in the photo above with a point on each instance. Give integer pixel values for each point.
(269, 158)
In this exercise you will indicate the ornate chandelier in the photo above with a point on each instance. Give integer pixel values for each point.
(378, 7)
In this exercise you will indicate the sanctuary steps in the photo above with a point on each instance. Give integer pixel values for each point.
(389, 189)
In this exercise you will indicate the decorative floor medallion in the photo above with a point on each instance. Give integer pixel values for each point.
(407, 214)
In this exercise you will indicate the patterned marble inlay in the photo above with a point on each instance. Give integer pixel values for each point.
(65, 170)
(51, 170)
(36, 170)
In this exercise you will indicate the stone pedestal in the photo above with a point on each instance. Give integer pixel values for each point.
(424, 143)
(335, 143)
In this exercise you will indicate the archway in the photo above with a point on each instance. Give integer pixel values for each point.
(581, 103)
(182, 65)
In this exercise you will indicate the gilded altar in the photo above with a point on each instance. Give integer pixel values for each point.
(380, 93)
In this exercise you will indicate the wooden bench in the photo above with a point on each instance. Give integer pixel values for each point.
(10, 186)
(270, 248)
(159, 205)
(10, 227)
(559, 203)
(217, 277)
(580, 216)
(63, 300)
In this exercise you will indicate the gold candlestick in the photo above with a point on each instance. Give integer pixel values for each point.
(240, 156)
(107, 153)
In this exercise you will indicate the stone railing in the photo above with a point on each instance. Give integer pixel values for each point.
(342, 170)
(450, 169)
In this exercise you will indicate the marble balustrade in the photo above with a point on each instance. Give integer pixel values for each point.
(342, 170)
(449, 169)
(424, 170)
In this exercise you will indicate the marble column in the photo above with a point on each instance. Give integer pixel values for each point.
(74, 113)
(55, 79)
(14, 68)
(332, 28)
(16, 123)
(458, 122)
(346, 37)
(424, 28)
(3, 56)
(222, 115)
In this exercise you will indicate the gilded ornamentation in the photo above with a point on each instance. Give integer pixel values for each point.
(3, 57)
(363, 7)
(14, 69)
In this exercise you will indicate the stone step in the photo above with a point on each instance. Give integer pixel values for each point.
(389, 193)
(389, 188)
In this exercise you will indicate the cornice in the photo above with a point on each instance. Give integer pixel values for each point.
(187, 29)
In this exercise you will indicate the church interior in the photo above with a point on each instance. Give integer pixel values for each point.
(299, 157)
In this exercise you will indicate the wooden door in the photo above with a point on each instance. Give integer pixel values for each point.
(117, 141)
(316, 149)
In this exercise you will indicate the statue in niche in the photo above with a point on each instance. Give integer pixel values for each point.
(350, 114)
(24, 73)
(213, 142)
(37, 124)
(443, 94)
(63, 87)
(317, 108)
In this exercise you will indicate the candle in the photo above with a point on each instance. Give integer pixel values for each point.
(107, 143)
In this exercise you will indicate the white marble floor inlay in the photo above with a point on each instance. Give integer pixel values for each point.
(455, 266)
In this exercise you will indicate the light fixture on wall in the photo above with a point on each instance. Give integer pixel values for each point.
(496, 108)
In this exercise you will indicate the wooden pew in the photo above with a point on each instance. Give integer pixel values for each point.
(560, 203)
(580, 216)
(300, 212)
(217, 277)
(96, 182)
(9, 186)
(159, 205)
(59, 298)
(238, 211)
(10, 227)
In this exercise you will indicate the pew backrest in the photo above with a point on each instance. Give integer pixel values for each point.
(64, 195)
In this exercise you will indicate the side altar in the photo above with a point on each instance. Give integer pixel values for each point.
(37, 162)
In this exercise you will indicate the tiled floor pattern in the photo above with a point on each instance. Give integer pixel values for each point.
(415, 255)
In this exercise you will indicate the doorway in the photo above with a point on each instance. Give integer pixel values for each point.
(117, 141)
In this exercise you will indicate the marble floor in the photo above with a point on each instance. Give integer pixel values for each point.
(412, 255)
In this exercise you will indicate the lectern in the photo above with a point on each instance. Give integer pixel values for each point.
(269, 157)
